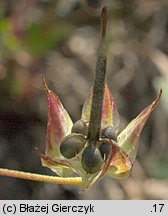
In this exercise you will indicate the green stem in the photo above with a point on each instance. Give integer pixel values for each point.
(40, 178)
(99, 86)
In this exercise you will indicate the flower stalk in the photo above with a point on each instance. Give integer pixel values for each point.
(40, 177)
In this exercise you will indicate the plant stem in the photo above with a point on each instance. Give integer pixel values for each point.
(99, 86)
(40, 178)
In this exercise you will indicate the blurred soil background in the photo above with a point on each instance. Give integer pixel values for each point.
(60, 38)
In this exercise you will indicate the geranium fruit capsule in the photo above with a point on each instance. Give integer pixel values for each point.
(91, 159)
(109, 133)
(72, 145)
(80, 127)
(105, 148)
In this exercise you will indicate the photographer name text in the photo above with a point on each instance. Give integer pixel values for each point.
(46, 209)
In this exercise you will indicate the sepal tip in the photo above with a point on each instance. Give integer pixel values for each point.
(47, 90)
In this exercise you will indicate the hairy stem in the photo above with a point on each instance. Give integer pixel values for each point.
(40, 178)
(99, 86)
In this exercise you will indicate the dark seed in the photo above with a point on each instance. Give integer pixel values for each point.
(105, 148)
(109, 133)
(91, 159)
(80, 127)
(72, 145)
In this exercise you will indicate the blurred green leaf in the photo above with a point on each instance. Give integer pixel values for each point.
(8, 42)
(40, 38)
(159, 169)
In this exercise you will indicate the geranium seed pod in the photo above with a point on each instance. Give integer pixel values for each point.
(109, 133)
(80, 127)
(91, 159)
(105, 148)
(72, 145)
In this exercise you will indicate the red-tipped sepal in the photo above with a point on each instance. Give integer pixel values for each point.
(59, 124)
(128, 138)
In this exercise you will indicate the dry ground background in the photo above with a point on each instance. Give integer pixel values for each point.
(59, 38)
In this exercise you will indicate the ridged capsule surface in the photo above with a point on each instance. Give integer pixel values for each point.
(109, 133)
(105, 148)
(91, 159)
(80, 127)
(72, 145)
